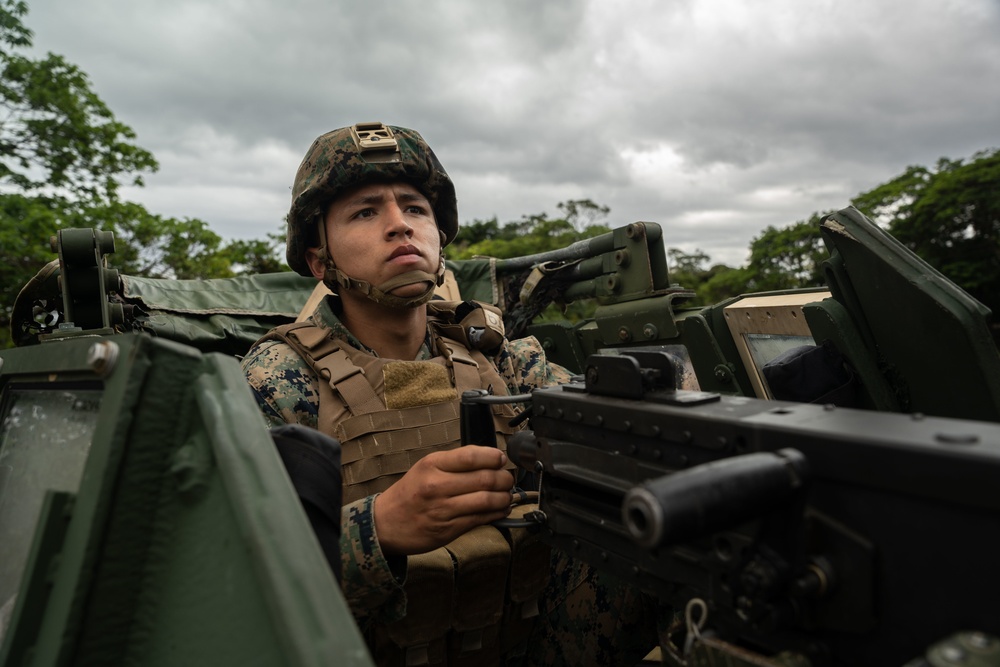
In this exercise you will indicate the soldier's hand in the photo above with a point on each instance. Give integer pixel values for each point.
(442, 496)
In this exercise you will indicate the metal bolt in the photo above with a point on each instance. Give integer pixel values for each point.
(650, 331)
(101, 357)
(624, 335)
(635, 231)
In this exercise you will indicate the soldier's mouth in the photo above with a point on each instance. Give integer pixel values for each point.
(404, 250)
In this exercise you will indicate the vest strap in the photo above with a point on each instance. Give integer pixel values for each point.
(349, 381)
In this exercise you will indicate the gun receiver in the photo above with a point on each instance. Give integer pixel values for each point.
(845, 536)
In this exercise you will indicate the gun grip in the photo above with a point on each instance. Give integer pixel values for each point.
(712, 496)
(477, 419)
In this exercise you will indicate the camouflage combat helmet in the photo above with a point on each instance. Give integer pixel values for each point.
(352, 156)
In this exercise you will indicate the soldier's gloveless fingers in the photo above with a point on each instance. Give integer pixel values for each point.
(462, 483)
(480, 508)
(470, 457)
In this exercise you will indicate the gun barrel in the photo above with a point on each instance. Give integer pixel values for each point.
(695, 502)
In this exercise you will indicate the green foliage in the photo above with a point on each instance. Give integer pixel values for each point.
(56, 134)
(787, 258)
(26, 223)
(780, 259)
(531, 234)
(712, 284)
(146, 244)
(949, 216)
(265, 255)
(63, 156)
(723, 284)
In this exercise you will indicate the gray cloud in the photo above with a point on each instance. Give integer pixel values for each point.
(715, 118)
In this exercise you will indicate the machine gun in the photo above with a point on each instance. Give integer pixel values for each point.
(831, 536)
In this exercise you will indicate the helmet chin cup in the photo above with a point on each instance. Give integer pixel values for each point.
(338, 281)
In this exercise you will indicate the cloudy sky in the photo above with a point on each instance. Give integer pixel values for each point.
(715, 118)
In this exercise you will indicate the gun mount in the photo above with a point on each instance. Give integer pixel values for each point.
(797, 528)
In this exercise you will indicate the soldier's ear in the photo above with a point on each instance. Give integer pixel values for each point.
(316, 259)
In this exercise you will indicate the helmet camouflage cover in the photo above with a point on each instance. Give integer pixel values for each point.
(356, 155)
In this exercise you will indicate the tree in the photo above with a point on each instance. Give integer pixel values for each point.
(531, 234)
(787, 257)
(56, 134)
(688, 270)
(949, 216)
(26, 223)
(63, 156)
(265, 255)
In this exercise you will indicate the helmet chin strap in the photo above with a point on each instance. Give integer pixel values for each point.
(337, 280)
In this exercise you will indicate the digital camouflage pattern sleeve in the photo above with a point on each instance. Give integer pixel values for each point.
(523, 366)
(287, 392)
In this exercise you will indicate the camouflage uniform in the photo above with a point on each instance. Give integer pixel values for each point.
(586, 619)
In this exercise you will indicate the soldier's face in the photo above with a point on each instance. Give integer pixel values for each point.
(376, 232)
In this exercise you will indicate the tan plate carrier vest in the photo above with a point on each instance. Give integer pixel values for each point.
(475, 599)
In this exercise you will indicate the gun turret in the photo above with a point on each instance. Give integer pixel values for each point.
(820, 531)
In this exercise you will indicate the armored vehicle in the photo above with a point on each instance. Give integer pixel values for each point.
(148, 517)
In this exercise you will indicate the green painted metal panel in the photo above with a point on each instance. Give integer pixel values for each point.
(185, 542)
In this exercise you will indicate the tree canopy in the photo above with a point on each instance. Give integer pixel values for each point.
(63, 157)
(532, 234)
(56, 134)
(950, 216)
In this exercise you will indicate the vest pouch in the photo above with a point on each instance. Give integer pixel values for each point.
(476, 325)
(530, 569)
(420, 637)
(482, 558)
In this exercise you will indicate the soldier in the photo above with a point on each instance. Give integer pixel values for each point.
(380, 366)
